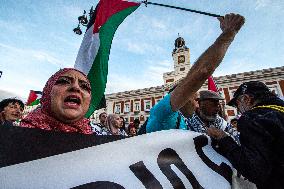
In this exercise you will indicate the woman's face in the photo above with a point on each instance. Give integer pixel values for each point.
(12, 112)
(70, 97)
(132, 131)
(116, 122)
(121, 121)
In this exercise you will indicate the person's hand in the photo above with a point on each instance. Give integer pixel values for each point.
(216, 133)
(231, 22)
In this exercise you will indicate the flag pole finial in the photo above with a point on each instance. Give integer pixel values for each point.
(145, 2)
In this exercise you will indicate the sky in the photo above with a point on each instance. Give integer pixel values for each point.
(37, 40)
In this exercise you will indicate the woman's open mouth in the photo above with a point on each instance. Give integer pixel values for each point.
(72, 101)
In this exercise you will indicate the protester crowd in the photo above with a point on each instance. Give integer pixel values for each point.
(253, 142)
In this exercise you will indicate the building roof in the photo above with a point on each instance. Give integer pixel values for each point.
(239, 77)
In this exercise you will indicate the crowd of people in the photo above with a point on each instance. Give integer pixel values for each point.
(114, 124)
(253, 143)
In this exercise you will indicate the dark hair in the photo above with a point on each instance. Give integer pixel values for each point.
(173, 88)
(142, 129)
(130, 126)
(101, 114)
(136, 121)
(123, 125)
(4, 103)
(234, 119)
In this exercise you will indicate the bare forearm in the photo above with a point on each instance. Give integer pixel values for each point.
(201, 70)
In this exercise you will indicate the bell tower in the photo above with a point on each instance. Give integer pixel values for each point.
(181, 58)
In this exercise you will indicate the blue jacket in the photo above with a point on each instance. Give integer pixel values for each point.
(162, 117)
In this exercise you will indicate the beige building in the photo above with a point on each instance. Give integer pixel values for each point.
(137, 103)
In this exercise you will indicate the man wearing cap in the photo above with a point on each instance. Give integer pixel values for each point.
(164, 115)
(207, 114)
(260, 156)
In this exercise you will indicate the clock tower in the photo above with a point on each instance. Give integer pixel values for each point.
(181, 58)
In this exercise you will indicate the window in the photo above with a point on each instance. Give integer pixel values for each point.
(117, 109)
(221, 93)
(170, 80)
(127, 108)
(137, 106)
(232, 92)
(147, 105)
(157, 100)
(274, 89)
(126, 120)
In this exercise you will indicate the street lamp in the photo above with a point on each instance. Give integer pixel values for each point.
(77, 30)
(83, 20)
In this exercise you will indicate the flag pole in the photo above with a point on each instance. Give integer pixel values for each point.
(180, 8)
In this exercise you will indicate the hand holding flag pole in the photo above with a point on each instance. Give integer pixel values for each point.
(180, 8)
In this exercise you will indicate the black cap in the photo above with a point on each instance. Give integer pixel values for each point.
(255, 88)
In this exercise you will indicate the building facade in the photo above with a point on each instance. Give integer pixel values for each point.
(137, 103)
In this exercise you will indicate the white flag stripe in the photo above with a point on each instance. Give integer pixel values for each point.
(38, 96)
(88, 51)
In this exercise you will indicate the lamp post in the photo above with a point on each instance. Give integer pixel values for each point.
(83, 20)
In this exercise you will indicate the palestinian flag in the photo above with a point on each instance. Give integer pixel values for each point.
(93, 55)
(212, 85)
(34, 98)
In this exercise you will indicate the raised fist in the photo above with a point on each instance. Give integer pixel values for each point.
(231, 22)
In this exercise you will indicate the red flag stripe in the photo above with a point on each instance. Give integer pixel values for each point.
(32, 97)
(107, 8)
(211, 84)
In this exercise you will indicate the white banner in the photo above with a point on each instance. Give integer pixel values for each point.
(166, 159)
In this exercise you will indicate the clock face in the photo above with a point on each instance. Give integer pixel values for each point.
(181, 59)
